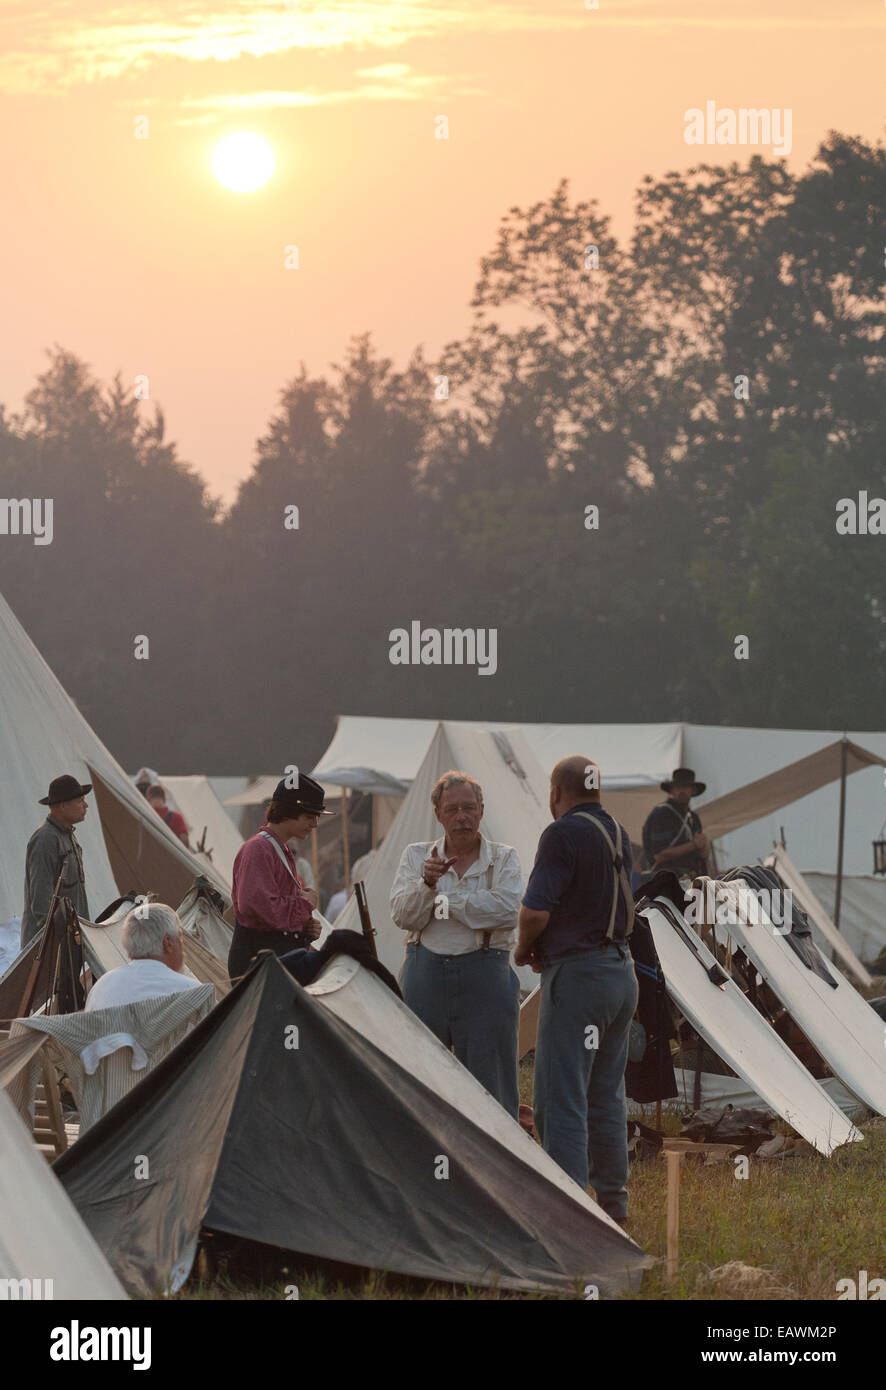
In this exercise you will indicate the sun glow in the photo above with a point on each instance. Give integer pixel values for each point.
(243, 162)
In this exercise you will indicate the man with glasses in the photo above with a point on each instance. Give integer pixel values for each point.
(458, 898)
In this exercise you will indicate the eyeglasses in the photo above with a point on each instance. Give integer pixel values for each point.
(469, 808)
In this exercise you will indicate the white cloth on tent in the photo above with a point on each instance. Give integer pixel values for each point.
(145, 978)
(486, 898)
(105, 1053)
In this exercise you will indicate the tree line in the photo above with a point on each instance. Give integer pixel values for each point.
(631, 459)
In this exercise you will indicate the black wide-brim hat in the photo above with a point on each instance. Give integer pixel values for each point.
(684, 777)
(304, 799)
(65, 788)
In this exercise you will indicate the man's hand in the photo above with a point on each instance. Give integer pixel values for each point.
(434, 868)
(525, 955)
(701, 841)
(312, 896)
(313, 929)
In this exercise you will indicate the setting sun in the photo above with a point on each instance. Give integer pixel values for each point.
(243, 162)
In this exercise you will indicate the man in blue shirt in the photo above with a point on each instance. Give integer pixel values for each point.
(576, 916)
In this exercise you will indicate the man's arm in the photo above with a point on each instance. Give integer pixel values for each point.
(550, 877)
(44, 867)
(489, 909)
(411, 899)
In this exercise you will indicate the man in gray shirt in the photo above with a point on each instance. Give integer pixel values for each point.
(50, 849)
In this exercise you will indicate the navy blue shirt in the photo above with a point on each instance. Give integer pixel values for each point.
(664, 827)
(572, 878)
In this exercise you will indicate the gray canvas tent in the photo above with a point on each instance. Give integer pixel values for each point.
(277, 1121)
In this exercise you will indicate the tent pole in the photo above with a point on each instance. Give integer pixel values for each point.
(838, 893)
(344, 836)
(315, 857)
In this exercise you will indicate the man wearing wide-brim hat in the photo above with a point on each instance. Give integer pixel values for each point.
(273, 908)
(672, 835)
(50, 849)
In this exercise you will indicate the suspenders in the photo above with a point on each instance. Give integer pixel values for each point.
(620, 882)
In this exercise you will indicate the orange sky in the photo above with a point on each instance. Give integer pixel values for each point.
(129, 253)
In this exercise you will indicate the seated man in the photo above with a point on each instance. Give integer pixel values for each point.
(152, 938)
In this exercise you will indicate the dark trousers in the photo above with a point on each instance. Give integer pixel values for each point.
(247, 942)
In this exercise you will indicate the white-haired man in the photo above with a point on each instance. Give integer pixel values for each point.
(458, 898)
(152, 938)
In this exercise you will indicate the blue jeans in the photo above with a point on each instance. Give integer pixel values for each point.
(580, 1111)
(472, 1004)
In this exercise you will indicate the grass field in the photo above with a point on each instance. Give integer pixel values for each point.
(799, 1223)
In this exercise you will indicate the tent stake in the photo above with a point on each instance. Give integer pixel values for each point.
(838, 892)
(673, 1161)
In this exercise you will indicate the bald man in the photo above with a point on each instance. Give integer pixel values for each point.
(577, 913)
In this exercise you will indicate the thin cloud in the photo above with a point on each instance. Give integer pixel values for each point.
(46, 48)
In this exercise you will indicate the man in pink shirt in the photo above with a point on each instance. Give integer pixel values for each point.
(273, 909)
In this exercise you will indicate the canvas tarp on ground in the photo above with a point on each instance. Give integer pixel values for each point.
(729, 1023)
(781, 864)
(841, 1025)
(42, 1237)
(316, 1141)
(125, 844)
(731, 1090)
(207, 820)
(515, 813)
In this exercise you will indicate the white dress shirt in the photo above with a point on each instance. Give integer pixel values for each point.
(486, 898)
(144, 978)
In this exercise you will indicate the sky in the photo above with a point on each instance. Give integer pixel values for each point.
(130, 253)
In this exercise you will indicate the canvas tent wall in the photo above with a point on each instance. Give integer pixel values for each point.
(515, 800)
(42, 1237)
(207, 821)
(326, 1178)
(841, 1025)
(125, 844)
(862, 912)
(384, 754)
(792, 880)
(731, 1025)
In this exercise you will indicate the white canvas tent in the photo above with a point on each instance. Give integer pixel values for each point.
(730, 1024)
(515, 800)
(207, 820)
(782, 864)
(383, 755)
(841, 1025)
(125, 844)
(42, 1236)
(862, 912)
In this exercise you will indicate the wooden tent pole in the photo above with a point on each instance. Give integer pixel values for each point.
(673, 1162)
(838, 892)
(344, 837)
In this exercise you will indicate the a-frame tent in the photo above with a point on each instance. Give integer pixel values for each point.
(125, 843)
(515, 813)
(42, 1237)
(276, 1120)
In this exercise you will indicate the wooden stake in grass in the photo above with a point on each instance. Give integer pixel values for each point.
(673, 1161)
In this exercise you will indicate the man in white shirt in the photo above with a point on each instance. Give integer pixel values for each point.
(458, 899)
(152, 938)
